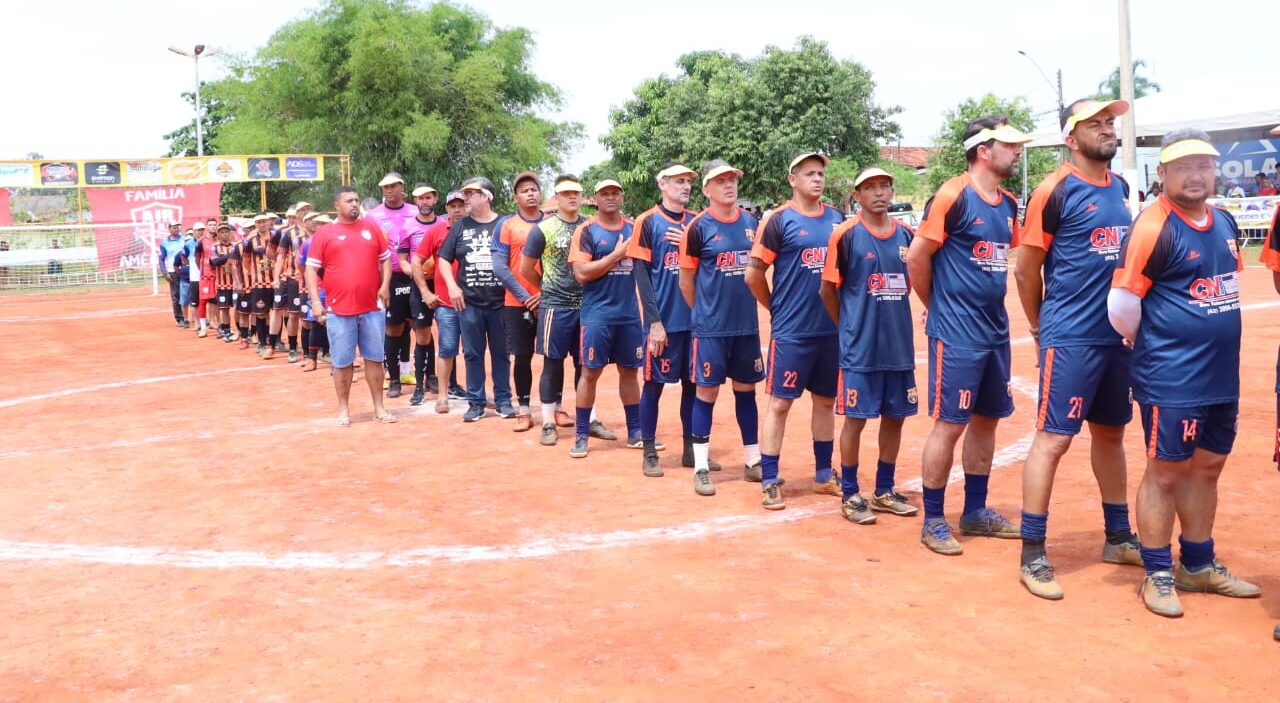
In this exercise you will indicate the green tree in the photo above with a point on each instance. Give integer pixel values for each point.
(754, 113)
(1109, 89)
(438, 94)
(842, 171)
(949, 159)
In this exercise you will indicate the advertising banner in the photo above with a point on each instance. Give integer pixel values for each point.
(1250, 213)
(1241, 160)
(147, 172)
(149, 211)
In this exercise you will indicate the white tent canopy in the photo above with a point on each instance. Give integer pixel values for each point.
(1161, 113)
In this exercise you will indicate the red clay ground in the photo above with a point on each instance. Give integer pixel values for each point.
(213, 536)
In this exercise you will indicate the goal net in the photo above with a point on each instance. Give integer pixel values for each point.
(68, 256)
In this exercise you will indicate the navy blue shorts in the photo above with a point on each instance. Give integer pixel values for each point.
(1079, 384)
(736, 358)
(968, 381)
(672, 365)
(602, 345)
(871, 394)
(807, 364)
(1174, 434)
(558, 333)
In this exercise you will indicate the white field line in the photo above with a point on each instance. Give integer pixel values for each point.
(48, 553)
(117, 312)
(125, 384)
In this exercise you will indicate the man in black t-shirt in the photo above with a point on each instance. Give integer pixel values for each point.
(477, 293)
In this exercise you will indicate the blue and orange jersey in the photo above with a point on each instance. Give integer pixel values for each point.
(971, 267)
(1188, 348)
(795, 243)
(869, 270)
(657, 241)
(611, 298)
(1080, 223)
(1271, 246)
(719, 250)
(509, 244)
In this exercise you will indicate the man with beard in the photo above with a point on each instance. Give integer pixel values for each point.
(959, 267)
(1075, 222)
(1176, 297)
(421, 309)
(394, 215)
(520, 308)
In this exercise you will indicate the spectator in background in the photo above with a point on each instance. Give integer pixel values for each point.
(4, 245)
(1235, 191)
(1267, 187)
(55, 266)
(1258, 178)
(1155, 190)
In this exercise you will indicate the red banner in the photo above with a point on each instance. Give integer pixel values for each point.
(6, 217)
(144, 215)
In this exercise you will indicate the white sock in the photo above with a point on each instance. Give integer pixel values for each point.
(751, 454)
(204, 323)
(701, 456)
(548, 413)
(593, 414)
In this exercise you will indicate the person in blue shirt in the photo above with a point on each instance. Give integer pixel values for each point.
(726, 329)
(169, 248)
(609, 315)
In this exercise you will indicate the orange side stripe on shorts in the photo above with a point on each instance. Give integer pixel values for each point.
(1046, 382)
(768, 380)
(840, 392)
(693, 361)
(937, 383)
(1155, 432)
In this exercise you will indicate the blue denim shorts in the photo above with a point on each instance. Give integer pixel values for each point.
(347, 332)
(449, 330)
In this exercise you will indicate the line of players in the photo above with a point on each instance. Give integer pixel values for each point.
(566, 286)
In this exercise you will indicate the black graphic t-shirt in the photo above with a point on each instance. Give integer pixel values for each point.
(468, 243)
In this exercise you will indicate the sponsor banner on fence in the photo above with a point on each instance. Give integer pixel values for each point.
(175, 171)
(1240, 161)
(6, 216)
(1250, 213)
(148, 211)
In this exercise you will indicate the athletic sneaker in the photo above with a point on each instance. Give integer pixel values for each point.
(755, 474)
(417, 397)
(1214, 578)
(649, 466)
(393, 388)
(772, 499)
(988, 523)
(637, 442)
(202, 333)
(293, 356)
(579, 449)
(893, 502)
(599, 431)
(549, 435)
(686, 458)
(506, 412)
(457, 393)
(856, 510)
(179, 322)
(1038, 578)
(831, 487)
(702, 484)
(936, 535)
(234, 336)
(262, 349)
(1158, 594)
(280, 347)
(1125, 552)
(473, 413)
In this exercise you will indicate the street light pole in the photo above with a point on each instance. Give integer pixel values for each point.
(195, 55)
(1056, 88)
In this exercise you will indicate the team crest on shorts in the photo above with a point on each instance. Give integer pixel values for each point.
(639, 352)
(1008, 388)
(912, 396)
(759, 364)
(902, 254)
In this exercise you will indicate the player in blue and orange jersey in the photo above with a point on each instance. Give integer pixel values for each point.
(1075, 222)
(655, 249)
(866, 291)
(425, 223)
(1176, 297)
(714, 254)
(610, 318)
(959, 266)
(803, 343)
(520, 308)
(1271, 259)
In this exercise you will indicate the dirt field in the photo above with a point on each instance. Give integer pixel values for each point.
(180, 520)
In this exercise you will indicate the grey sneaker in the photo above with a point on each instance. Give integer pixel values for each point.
(988, 523)
(599, 431)
(549, 435)
(1126, 552)
(473, 413)
(1039, 579)
(702, 484)
(772, 499)
(650, 466)
(893, 502)
(856, 510)
(579, 449)
(936, 535)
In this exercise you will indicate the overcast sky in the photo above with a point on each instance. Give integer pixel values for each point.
(96, 81)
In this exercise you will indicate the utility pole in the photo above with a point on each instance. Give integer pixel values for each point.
(195, 55)
(1128, 124)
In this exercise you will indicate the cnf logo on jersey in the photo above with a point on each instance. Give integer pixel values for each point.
(671, 259)
(1106, 240)
(813, 256)
(991, 251)
(1215, 290)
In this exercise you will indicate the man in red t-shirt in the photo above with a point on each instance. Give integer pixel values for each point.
(352, 256)
(449, 330)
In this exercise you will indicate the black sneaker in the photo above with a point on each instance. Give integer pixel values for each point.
(419, 395)
(506, 412)
(393, 388)
(457, 393)
(181, 323)
(599, 431)
(473, 413)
